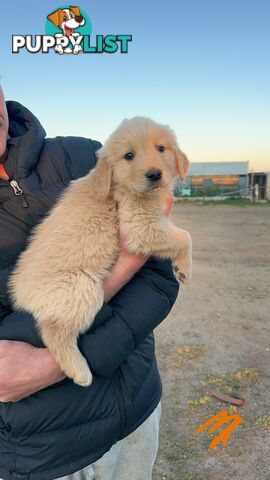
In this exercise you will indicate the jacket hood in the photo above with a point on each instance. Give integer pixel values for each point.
(26, 140)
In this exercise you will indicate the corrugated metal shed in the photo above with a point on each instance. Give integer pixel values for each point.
(218, 168)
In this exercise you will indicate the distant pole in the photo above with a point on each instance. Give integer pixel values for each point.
(247, 189)
(256, 192)
(252, 187)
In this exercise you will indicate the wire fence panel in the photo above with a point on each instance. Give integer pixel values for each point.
(255, 192)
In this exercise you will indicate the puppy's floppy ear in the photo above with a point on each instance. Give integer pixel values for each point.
(55, 17)
(181, 163)
(76, 11)
(102, 176)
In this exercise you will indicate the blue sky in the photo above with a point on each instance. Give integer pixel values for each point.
(202, 66)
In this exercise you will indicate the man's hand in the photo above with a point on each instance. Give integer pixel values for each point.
(25, 369)
(168, 205)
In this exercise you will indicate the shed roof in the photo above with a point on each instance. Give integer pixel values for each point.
(218, 168)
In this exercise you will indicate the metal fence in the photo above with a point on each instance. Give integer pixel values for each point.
(255, 192)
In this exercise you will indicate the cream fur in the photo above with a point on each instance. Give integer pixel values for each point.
(58, 278)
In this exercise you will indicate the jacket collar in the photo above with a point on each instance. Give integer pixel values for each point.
(25, 143)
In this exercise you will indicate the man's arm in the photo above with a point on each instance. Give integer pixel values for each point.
(124, 269)
(38, 369)
(25, 369)
(133, 313)
(136, 310)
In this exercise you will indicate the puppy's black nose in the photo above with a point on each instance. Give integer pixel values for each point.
(79, 18)
(154, 174)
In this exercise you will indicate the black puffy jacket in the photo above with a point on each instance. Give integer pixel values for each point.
(63, 428)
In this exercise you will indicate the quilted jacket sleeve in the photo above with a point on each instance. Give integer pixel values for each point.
(136, 310)
(4, 274)
(120, 325)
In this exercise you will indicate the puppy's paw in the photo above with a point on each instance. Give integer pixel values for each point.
(84, 379)
(77, 369)
(182, 267)
(180, 276)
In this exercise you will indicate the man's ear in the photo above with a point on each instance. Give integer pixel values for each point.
(76, 11)
(181, 163)
(55, 17)
(102, 176)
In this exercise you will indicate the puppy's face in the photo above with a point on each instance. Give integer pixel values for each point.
(144, 156)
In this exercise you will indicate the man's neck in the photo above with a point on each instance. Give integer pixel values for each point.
(3, 173)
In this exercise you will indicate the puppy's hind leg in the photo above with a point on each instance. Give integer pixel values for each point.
(75, 299)
(63, 346)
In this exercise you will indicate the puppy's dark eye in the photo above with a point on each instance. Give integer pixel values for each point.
(161, 148)
(129, 156)
(65, 18)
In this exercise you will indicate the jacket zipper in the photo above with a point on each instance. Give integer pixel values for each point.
(19, 192)
(16, 188)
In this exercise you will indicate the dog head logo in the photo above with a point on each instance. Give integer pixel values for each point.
(68, 20)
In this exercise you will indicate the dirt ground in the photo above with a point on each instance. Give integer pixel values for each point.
(217, 337)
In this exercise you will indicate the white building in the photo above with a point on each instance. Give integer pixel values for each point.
(215, 178)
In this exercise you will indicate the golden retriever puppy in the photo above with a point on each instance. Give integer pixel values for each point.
(58, 278)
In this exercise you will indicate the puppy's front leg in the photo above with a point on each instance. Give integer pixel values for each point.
(182, 262)
(164, 240)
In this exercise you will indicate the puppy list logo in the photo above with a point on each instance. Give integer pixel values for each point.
(68, 30)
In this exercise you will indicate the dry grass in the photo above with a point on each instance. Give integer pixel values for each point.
(217, 338)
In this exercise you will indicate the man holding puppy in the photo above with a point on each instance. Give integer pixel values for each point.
(50, 427)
